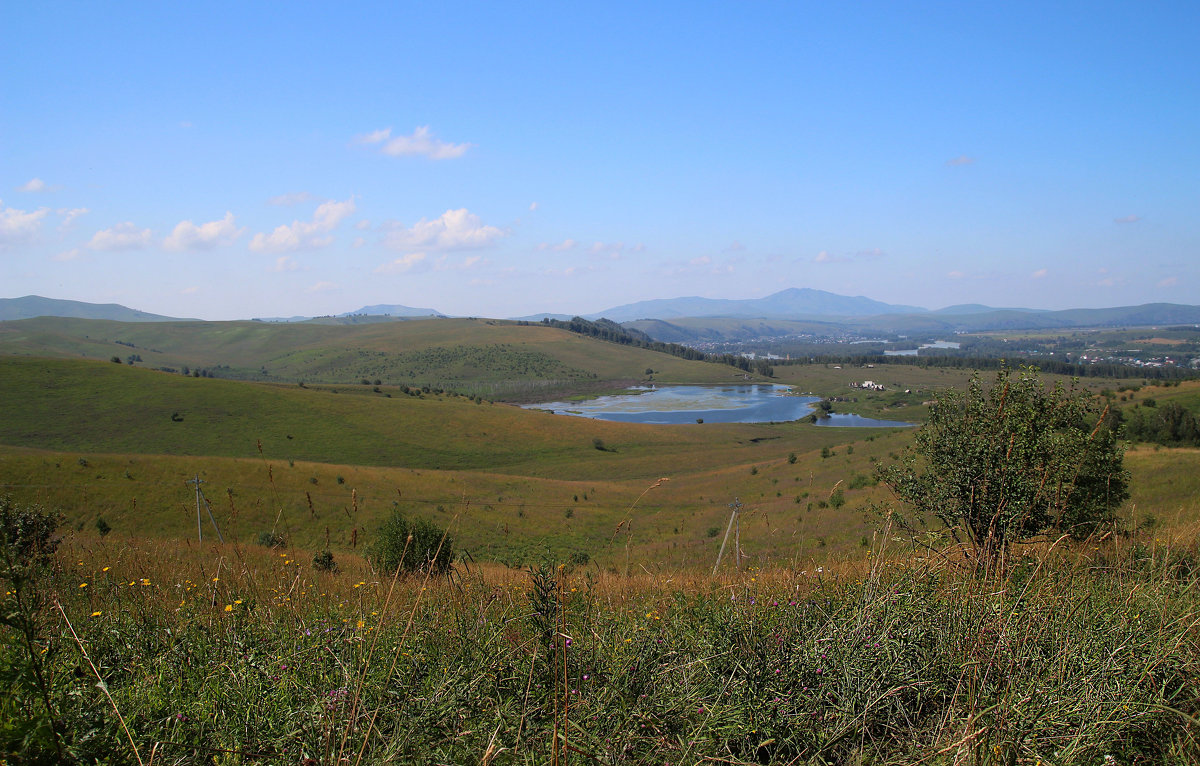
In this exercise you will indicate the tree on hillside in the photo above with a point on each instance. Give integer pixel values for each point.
(1012, 461)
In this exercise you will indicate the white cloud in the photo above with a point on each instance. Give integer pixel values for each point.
(735, 247)
(291, 198)
(452, 230)
(189, 290)
(69, 255)
(70, 214)
(533, 206)
(565, 245)
(401, 264)
(1038, 274)
(321, 287)
(612, 249)
(702, 260)
(123, 236)
(358, 242)
(825, 257)
(443, 263)
(302, 235)
(955, 274)
(19, 225)
(206, 236)
(960, 160)
(420, 142)
(871, 252)
(33, 185)
(1128, 219)
(363, 225)
(286, 263)
(1169, 282)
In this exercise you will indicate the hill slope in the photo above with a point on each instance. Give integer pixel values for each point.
(491, 357)
(793, 303)
(32, 306)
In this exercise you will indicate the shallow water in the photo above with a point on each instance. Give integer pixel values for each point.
(668, 405)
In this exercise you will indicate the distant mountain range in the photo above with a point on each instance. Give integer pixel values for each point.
(393, 309)
(793, 303)
(36, 306)
(687, 319)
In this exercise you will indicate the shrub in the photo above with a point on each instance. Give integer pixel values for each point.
(102, 526)
(323, 562)
(27, 533)
(410, 546)
(1015, 461)
(271, 539)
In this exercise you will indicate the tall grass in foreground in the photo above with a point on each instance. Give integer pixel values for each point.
(235, 655)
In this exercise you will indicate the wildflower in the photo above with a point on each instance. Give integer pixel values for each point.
(238, 601)
(229, 607)
(82, 585)
(105, 569)
(97, 614)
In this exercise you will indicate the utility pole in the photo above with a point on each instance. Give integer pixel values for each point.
(735, 506)
(199, 529)
(207, 506)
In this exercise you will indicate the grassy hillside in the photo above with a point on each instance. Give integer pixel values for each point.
(491, 357)
(99, 440)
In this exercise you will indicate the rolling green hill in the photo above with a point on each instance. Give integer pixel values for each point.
(493, 358)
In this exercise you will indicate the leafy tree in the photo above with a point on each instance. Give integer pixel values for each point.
(411, 546)
(1018, 459)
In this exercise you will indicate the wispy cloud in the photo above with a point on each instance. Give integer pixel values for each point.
(34, 185)
(19, 225)
(960, 160)
(1128, 219)
(955, 274)
(869, 254)
(321, 287)
(825, 257)
(453, 230)
(1168, 282)
(735, 247)
(420, 142)
(403, 264)
(291, 198)
(69, 255)
(123, 236)
(70, 214)
(533, 206)
(206, 236)
(286, 263)
(561, 247)
(1038, 274)
(305, 235)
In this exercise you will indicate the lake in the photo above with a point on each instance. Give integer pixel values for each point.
(670, 405)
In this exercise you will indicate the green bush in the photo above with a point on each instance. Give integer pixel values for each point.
(1018, 459)
(271, 540)
(27, 533)
(323, 562)
(411, 546)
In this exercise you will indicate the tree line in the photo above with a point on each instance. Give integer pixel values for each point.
(1050, 366)
(606, 329)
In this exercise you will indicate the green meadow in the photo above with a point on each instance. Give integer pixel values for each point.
(581, 621)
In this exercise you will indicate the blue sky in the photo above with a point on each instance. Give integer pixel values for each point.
(230, 160)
